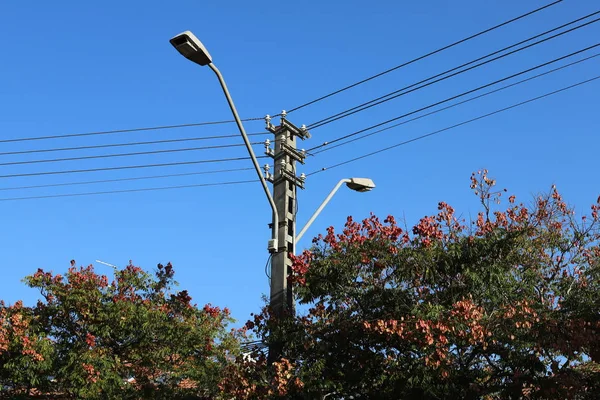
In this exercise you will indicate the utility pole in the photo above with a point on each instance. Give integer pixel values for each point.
(284, 180)
(285, 183)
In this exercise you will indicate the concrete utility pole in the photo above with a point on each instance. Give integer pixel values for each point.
(285, 182)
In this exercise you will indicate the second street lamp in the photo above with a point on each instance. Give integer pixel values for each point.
(356, 184)
(191, 48)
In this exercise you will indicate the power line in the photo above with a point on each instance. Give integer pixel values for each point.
(454, 126)
(450, 106)
(467, 93)
(425, 56)
(267, 265)
(432, 80)
(139, 153)
(415, 87)
(219, 171)
(101, 146)
(74, 171)
(127, 190)
(151, 128)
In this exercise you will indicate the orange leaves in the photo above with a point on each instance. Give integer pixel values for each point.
(466, 318)
(29, 349)
(462, 325)
(12, 324)
(250, 379)
(518, 215)
(90, 340)
(92, 374)
(428, 229)
(355, 234)
(494, 304)
(300, 265)
(484, 226)
(213, 312)
(105, 334)
(430, 336)
(17, 335)
(283, 374)
(482, 186)
(446, 213)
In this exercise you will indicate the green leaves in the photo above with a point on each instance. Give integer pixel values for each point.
(505, 308)
(131, 338)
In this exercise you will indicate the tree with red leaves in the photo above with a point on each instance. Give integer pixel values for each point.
(503, 307)
(130, 337)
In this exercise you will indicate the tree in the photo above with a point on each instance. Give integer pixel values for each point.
(133, 337)
(505, 307)
(26, 353)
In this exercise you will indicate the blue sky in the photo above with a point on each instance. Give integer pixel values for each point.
(73, 67)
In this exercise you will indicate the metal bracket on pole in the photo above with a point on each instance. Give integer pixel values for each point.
(302, 133)
(291, 152)
(290, 177)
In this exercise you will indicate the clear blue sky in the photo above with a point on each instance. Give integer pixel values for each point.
(71, 67)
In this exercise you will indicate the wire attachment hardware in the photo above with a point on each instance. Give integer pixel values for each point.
(268, 175)
(268, 123)
(268, 150)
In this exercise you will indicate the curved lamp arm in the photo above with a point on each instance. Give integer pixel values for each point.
(321, 207)
(188, 45)
(274, 235)
(356, 184)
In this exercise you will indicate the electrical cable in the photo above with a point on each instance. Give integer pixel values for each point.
(432, 80)
(127, 190)
(139, 153)
(219, 171)
(151, 128)
(267, 273)
(101, 146)
(455, 126)
(74, 171)
(448, 107)
(425, 56)
(467, 93)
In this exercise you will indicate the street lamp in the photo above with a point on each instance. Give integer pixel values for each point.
(356, 184)
(191, 48)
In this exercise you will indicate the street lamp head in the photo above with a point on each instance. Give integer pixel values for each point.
(191, 48)
(361, 184)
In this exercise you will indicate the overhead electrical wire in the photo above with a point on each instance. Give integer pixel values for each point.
(447, 107)
(425, 55)
(139, 153)
(102, 146)
(126, 190)
(138, 178)
(267, 269)
(151, 128)
(177, 126)
(455, 126)
(432, 80)
(75, 171)
(464, 94)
